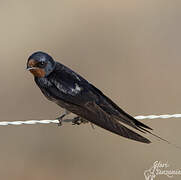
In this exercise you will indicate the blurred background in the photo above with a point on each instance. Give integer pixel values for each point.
(129, 49)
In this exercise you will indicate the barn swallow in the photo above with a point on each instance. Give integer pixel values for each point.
(75, 94)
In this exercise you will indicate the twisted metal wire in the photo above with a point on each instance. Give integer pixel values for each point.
(32, 122)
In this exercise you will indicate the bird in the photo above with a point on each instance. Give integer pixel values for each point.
(76, 95)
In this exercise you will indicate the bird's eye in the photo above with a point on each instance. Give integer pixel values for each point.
(41, 64)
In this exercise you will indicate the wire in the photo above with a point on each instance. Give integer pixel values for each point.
(32, 122)
(163, 116)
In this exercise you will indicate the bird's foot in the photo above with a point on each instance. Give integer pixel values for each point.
(78, 120)
(60, 119)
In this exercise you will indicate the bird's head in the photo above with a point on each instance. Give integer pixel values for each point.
(40, 64)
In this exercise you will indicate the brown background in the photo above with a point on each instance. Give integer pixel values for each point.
(129, 49)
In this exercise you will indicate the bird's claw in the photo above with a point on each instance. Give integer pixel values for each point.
(78, 120)
(59, 122)
(60, 119)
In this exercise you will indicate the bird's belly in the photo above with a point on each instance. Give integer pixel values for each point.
(60, 103)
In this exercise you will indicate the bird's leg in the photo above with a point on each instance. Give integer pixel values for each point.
(60, 119)
(79, 120)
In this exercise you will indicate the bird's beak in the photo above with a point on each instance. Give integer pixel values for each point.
(30, 68)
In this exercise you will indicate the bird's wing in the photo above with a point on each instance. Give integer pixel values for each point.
(89, 92)
(112, 109)
(108, 106)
